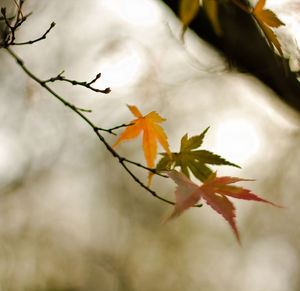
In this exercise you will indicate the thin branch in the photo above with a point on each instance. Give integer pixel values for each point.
(38, 39)
(35, 78)
(10, 37)
(154, 171)
(148, 189)
(111, 130)
(76, 110)
(5, 18)
(85, 84)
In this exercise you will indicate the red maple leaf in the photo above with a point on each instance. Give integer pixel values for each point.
(214, 191)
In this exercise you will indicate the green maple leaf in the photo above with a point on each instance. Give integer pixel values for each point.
(191, 160)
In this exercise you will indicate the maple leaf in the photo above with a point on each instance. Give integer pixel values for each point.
(152, 132)
(266, 19)
(214, 191)
(187, 11)
(189, 159)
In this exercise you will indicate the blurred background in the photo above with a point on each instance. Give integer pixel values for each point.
(72, 219)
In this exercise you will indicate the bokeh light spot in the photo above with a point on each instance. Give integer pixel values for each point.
(237, 140)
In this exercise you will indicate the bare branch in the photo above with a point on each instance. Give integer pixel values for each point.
(96, 129)
(110, 130)
(85, 84)
(154, 171)
(38, 39)
(10, 37)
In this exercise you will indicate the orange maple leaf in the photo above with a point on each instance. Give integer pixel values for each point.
(214, 192)
(152, 132)
(266, 19)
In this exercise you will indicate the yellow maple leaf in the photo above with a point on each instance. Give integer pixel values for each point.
(266, 19)
(152, 133)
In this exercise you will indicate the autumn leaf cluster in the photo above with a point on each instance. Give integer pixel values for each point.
(189, 160)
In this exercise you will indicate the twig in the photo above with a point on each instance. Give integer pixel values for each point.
(111, 130)
(38, 39)
(154, 171)
(10, 37)
(35, 78)
(5, 18)
(85, 84)
(77, 110)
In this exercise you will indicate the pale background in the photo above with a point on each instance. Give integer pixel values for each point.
(72, 219)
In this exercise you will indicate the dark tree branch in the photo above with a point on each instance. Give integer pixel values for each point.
(245, 48)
